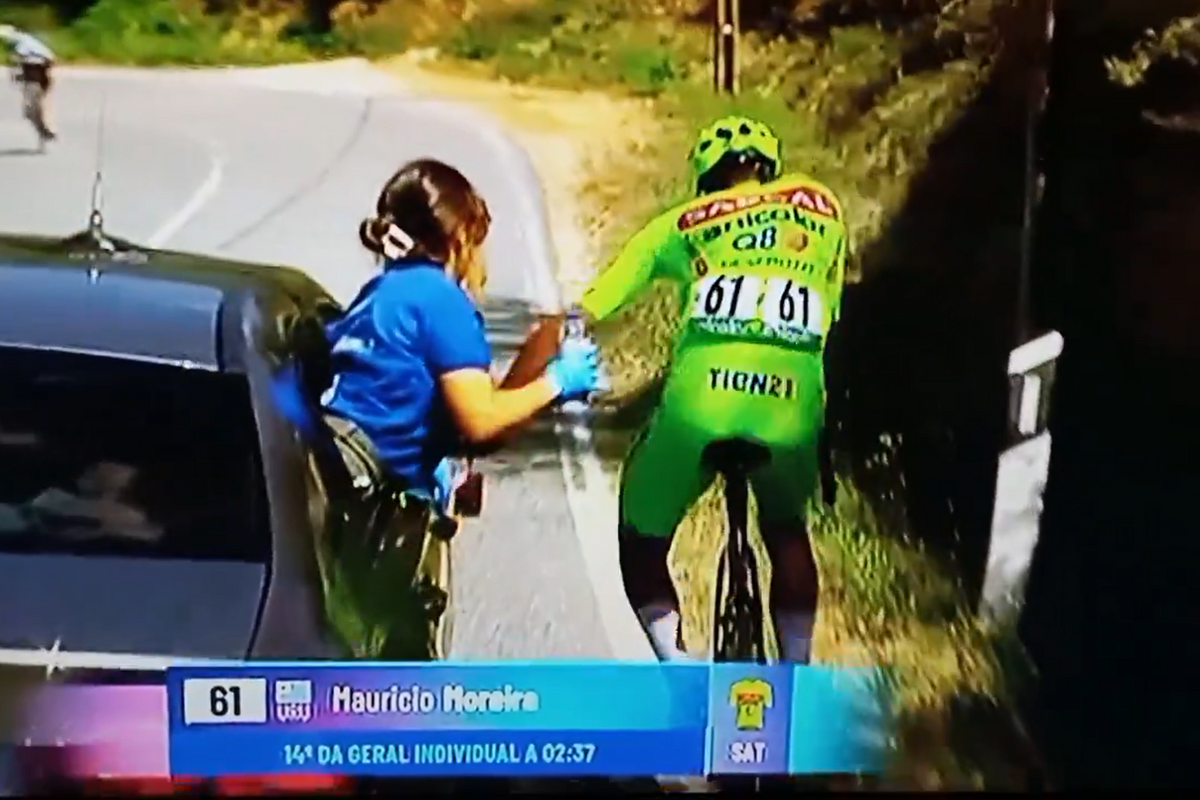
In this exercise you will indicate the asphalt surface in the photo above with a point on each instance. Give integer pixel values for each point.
(279, 166)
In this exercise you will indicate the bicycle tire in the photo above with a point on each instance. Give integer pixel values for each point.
(738, 611)
(738, 621)
(738, 618)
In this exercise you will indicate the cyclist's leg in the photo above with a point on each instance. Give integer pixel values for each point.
(660, 480)
(41, 95)
(783, 491)
(46, 89)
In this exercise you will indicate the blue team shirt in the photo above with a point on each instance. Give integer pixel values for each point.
(407, 327)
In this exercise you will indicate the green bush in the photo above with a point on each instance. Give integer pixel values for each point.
(140, 31)
(29, 16)
(156, 32)
(579, 42)
(196, 32)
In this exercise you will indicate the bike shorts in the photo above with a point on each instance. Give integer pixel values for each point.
(725, 390)
(37, 74)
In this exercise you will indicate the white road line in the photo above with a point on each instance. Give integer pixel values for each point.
(594, 511)
(205, 192)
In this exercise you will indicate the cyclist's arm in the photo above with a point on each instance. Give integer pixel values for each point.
(645, 257)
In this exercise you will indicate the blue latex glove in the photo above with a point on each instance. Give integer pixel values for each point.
(446, 476)
(575, 371)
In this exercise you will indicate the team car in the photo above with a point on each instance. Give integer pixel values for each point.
(138, 431)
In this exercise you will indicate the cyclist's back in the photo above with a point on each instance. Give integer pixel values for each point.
(760, 266)
(760, 260)
(764, 286)
(25, 48)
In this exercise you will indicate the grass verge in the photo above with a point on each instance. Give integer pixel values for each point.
(859, 104)
(217, 33)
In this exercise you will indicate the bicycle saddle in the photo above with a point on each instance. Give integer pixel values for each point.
(735, 455)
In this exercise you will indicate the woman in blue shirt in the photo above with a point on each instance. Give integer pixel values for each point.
(411, 362)
(412, 383)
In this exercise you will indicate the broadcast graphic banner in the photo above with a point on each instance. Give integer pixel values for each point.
(511, 719)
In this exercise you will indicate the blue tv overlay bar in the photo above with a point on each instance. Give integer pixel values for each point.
(521, 719)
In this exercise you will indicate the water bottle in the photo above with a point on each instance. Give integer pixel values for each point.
(577, 413)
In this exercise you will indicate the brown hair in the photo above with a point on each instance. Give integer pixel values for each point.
(429, 210)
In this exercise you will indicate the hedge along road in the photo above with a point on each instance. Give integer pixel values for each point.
(278, 166)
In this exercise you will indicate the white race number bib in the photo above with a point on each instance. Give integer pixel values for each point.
(785, 307)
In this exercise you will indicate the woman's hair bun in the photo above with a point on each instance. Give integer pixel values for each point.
(371, 232)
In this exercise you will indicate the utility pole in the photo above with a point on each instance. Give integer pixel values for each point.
(726, 32)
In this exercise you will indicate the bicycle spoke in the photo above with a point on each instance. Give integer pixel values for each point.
(755, 612)
(724, 635)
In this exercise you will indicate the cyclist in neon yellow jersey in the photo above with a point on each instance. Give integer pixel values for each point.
(760, 261)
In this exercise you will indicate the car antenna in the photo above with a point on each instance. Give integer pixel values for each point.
(95, 229)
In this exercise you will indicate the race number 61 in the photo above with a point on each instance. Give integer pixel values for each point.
(208, 701)
(780, 303)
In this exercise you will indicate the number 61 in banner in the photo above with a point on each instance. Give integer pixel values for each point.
(780, 303)
(224, 700)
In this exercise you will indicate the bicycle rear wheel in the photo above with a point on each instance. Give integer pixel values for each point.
(738, 623)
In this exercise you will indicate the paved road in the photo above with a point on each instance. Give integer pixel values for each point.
(279, 166)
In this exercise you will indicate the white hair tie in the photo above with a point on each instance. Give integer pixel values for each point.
(397, 243)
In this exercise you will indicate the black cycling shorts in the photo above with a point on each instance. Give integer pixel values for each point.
(37, 74)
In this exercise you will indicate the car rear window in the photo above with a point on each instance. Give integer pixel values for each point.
(110, 456)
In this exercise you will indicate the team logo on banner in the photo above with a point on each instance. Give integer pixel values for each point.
(293, 701)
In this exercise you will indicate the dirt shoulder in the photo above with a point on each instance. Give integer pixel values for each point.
(573, 138)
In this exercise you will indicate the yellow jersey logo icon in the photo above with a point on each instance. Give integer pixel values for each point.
(750, 698)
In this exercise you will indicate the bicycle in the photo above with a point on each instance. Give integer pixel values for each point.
(737, 632)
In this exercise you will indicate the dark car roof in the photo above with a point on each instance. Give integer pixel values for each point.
(122, 300)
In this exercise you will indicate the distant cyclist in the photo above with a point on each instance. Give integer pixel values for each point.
(32, 61)
(760, 260)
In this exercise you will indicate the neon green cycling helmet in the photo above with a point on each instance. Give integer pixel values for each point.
(730, 142)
